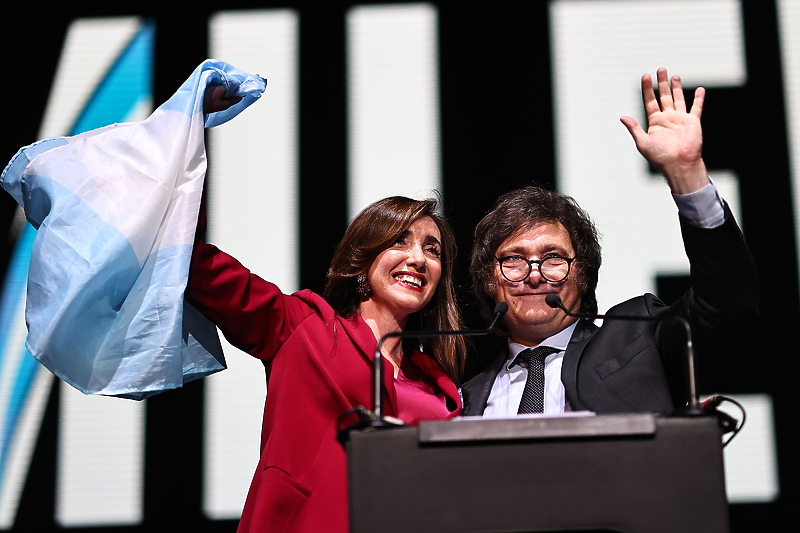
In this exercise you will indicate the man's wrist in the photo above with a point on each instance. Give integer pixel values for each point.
(686, 179)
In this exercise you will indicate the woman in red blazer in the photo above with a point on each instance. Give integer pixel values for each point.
(391, 272)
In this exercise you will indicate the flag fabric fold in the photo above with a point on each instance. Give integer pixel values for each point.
(115, 211)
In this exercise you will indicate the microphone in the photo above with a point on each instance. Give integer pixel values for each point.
(694, 406)
(378, 419)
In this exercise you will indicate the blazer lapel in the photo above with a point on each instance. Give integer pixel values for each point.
(572, 356)
(364, 339)
(432, 369)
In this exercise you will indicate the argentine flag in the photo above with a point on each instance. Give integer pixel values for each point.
(116, 210)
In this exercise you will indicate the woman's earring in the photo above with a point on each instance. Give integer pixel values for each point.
(363, 289)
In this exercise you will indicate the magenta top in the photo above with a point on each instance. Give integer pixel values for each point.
(417, 398)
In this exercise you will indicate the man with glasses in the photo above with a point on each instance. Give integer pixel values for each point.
(536, 242)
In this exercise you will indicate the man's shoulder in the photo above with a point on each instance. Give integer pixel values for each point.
(475, 391)
(477, 379)
(491, 369)
(644, 305)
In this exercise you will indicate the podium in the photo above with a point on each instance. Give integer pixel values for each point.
(622, 473)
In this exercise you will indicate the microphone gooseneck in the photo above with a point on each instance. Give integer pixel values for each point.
(378, 418)
(499, 311)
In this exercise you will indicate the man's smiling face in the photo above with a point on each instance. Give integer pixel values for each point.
(529, 319)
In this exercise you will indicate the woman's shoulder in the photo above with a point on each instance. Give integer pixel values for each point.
(319, 307)
(316, 302)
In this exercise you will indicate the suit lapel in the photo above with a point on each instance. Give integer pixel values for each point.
(572, 356)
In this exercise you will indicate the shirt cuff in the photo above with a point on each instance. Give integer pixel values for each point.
(703, 208)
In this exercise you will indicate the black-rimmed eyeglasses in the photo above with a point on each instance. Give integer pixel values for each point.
(552, 268)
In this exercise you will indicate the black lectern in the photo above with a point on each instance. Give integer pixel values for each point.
(622, 473)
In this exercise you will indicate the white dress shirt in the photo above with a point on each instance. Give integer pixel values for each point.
(510, 382)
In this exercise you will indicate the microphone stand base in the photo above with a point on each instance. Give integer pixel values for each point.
(726, 423)
(691, 410)
(367, 421)
(382, 422)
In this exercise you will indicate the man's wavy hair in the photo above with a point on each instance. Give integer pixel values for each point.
(525, 208)
(374, 230)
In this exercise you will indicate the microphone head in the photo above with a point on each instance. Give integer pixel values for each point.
(501, 308)
(553, 300)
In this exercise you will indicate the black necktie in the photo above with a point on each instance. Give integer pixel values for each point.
(533, 396)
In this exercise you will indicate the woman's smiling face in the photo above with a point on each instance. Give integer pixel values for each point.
(404, 277)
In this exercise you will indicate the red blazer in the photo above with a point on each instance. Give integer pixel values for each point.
(318, 366)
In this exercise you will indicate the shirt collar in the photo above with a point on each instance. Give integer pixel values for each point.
(560, 341)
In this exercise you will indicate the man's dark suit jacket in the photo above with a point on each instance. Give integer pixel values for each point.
(627, 367)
